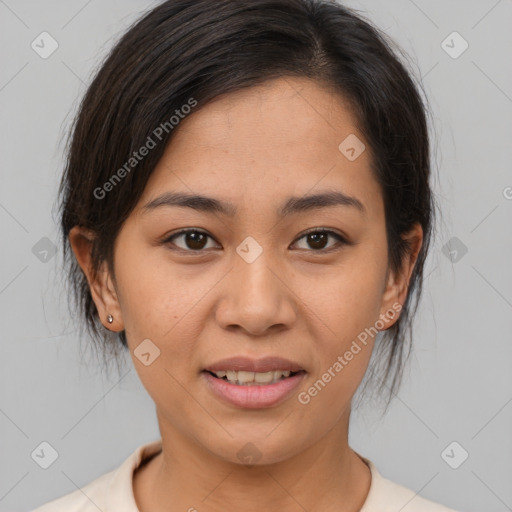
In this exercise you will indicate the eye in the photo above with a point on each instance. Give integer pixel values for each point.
(194, 239)
(318, 238)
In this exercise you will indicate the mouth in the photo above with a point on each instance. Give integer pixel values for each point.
(246, 378)
(252, 390)
(250, 383)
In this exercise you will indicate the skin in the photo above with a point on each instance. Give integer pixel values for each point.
(254, 148)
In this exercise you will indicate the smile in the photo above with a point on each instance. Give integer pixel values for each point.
(253, 390)
(244, 378)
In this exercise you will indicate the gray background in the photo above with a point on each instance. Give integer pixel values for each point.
(459, 383)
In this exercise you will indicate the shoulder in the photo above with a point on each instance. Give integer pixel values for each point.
(111, 492)
(88, 498)
(388, 496)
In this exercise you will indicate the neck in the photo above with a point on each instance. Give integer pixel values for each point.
(327, 476)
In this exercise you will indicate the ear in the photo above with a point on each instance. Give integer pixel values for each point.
(397, 284)
(101, 286)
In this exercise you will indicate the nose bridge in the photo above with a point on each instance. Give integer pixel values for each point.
(252, 268)
(255, 298)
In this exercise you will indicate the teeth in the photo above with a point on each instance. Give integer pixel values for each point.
(251, 378)
(264, 378)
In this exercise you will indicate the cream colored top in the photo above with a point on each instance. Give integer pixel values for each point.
(113, 491)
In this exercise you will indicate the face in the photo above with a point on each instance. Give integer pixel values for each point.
(257, 280)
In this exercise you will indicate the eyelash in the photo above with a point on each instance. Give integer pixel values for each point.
(341, 239)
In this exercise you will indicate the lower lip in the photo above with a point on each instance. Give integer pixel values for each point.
(254, 396)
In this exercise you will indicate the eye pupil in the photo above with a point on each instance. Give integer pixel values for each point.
(316, 238)
(195, 238)
(195, 241)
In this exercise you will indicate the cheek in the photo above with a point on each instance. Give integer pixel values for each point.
(346, 309)
(165, 303)
(350, 299)
(152, 294)
(358, 301)
(161, 305)
(345, 313)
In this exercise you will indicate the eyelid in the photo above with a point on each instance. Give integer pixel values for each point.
(341, 238)
(322, 230)
(184, 231)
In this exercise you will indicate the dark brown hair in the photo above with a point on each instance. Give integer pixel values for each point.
(200, 49)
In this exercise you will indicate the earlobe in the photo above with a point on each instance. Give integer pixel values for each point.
(100, 283)
(390, 301)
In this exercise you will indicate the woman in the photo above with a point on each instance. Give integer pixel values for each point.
(247, 202)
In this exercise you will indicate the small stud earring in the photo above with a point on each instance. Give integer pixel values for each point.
(110, 319)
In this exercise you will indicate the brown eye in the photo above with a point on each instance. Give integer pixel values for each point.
(192, 239)
(318, 240)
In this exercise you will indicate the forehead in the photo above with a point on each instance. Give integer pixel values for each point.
(278, 115)
(278, 139)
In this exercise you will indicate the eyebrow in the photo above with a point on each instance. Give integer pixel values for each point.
(292, 205)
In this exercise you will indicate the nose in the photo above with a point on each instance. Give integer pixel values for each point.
(257, 298)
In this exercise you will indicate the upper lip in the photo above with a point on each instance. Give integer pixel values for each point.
(266, 364)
